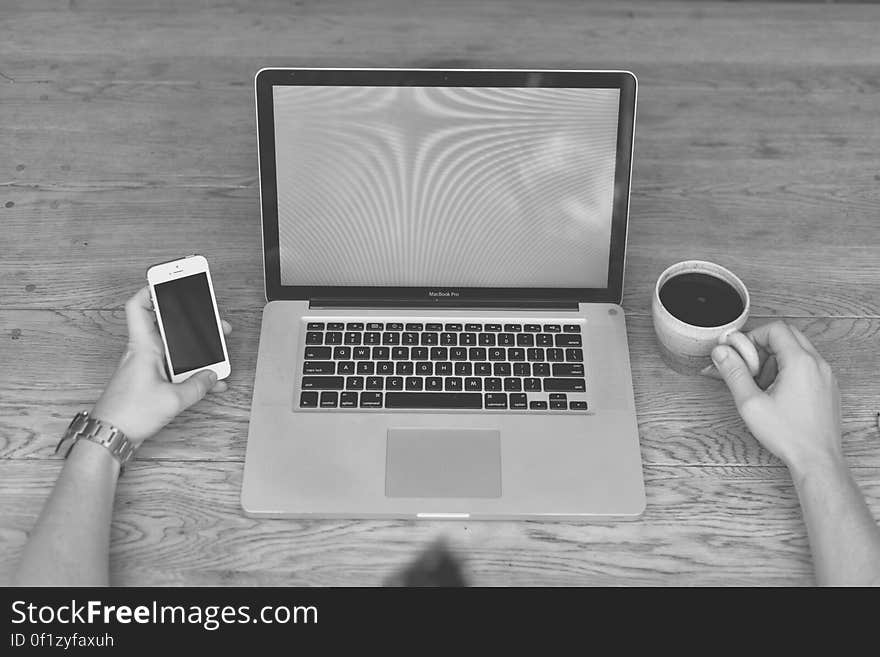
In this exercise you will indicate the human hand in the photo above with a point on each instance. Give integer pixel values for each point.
(139, 399)
(793, 406)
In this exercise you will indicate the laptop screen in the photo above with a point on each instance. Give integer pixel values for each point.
(483, 187)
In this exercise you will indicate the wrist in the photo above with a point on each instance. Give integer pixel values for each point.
(93, 458)
(828, 465)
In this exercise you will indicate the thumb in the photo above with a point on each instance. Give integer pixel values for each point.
(735, 373)
(195, 387)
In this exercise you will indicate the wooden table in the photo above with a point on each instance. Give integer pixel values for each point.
(127, 133)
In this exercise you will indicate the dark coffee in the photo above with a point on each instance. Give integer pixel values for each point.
(701, 299)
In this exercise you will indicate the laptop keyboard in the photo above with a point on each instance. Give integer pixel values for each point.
(441, 366)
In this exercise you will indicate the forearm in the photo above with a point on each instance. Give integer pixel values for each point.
(844, 537)
(69, 545)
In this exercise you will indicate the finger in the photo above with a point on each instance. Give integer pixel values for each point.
(220, 386)
(803, 341)
(139, 317)
(736, 374)
(778, 339)
(227, 327)
(768, 373)
(195, 387)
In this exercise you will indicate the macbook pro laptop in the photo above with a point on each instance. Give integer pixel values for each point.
(444, 256)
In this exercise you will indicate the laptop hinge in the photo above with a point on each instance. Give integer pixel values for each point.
(491, 304)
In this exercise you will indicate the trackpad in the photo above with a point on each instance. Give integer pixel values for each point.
(443, 463)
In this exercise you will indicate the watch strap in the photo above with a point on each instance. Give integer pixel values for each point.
(89, 428)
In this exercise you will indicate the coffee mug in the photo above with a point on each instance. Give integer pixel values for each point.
(686, 348)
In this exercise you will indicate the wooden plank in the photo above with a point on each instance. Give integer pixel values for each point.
(89, 247)
(60, 361)
(181, 524)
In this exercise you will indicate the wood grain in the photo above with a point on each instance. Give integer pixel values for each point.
(181, 524)
(682, 420)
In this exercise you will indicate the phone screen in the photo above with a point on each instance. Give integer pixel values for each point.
(188, 319)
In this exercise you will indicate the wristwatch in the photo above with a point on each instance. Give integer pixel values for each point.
(90, 428)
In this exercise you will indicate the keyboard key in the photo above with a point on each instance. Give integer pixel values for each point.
(541, 369)
(522, 369)
(517, 401)
(554, 354)
(391, 338)
(525, 340)
(413, 383)
(418, 353)
(492, 383)
(366, 367)
(471, 400)
(424, 368)
(335, 326)
(434, 383)
(467, 339)
(361, 353)
(385, 367)
(486, 339)
(472, 327)
(323, 383)
(578, 405)
(449, 339)
(483, 369)
(572, 328)
(463, 369)
(400, 353)
(314, 338)
(501, 369)
(565, 385)
(557, 405)
(354, 326)
(394, 326)
(497, 354)
(568, 340)
(444, 368)
(354, 383)
(434, 327)
(532, 385)
(512, 328)
(512, 384)
(348, 400)
(568, 369)
(410, 338)
(544, 340)
(535, 353)
(371, 400)
(453, 327)
(333, 338)
(345, 367)
(429, 338)
(342, 353)
(575, 354)
(372, 338)
(477, 353)
(318, 353)
(404, 368)
(558, 396)
(414, 327)
(375, 382)
(538, 405)
(458, 353)
(329, 399)
(453, 383)
(308, 400)
(319, 367)
(394, 383)
(516, 353)
(552, 328)
(506, 339)
(533, 328)
(374, 326)
(381, 353)
(439, 353)
(473, 383)
(492, 327)
(315, 326)
(496, 400)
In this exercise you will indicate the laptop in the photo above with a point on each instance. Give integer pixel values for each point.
(444, 257)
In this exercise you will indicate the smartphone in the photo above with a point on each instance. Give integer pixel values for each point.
(189, 323)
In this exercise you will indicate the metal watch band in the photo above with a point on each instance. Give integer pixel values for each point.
(89, 428)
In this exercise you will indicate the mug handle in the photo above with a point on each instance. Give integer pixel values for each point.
(745, 347)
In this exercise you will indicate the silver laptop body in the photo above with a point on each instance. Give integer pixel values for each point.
(444, 255)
